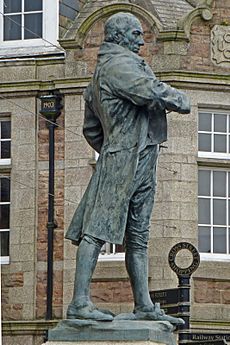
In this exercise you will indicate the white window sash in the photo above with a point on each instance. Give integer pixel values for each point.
(112, 257)
(4, 203)
(214, 257)
(212, 225)
(212, 154)
(5, 161)
(50, 28)
(109, 255)
(4, 260)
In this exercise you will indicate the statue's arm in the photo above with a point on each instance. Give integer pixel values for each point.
(139, 85)
(172, 99)
(92, 128)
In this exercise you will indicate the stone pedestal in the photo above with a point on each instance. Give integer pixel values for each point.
(117, 332)
(105, 343)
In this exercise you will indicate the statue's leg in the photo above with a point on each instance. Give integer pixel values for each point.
(81, 306)
(137, 267)
(137, 234)
(137, 230)
(136, 258)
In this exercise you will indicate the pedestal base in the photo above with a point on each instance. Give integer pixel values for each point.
(112, 333)
(108, 342)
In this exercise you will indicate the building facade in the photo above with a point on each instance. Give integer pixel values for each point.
(53, 45)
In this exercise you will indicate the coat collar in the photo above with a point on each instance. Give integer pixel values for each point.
(109, 50)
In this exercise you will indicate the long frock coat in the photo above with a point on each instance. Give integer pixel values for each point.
(125, 110)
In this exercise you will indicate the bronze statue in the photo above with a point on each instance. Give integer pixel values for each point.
(125, 121)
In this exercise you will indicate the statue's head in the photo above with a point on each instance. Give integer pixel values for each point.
(125, 30)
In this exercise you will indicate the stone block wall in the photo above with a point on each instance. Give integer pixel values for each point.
(68, 10)
(211, 291)
(210, 299)
(175, 213)
(24, 279)
(18, 278)
(200, 46)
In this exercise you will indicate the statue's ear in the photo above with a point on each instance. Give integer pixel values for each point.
(118, 37)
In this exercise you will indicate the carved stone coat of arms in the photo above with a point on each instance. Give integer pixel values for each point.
(220, 45)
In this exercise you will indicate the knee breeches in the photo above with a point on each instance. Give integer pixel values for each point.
(140, 205)
(142, 200)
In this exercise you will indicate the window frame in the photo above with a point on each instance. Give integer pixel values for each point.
(49, 28)
(107, 255)
(213, 154)
(5, 259)
(215, 161)
(5, 169)
(212, 197)
(4, 161)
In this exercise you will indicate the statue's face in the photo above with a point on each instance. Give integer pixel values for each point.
(134, 37)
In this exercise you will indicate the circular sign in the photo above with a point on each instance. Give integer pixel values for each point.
(187, 271)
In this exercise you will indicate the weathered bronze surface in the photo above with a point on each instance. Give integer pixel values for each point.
(125, 121)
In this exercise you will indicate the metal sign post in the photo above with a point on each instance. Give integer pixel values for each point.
(176, 302)
(50, 109)
(184, 275)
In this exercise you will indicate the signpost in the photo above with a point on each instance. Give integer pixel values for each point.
(184, 275)
(176, 302)
(50, 109)
(168, 298)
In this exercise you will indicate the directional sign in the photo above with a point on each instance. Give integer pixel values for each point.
(168, 296)
(171, 310)
(211, 342)
(198, 337)
(170, 301)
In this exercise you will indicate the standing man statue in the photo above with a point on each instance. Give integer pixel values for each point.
(125, 121)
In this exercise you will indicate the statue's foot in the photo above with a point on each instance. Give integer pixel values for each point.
(149, 316)
(125, 316)
(89, 312)
(157, 314)
(153, 316)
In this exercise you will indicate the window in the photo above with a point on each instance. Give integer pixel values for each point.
(214, 135)
(214, 183)
(214, 211)
(5, 160)
(4, 218)
(112, 252)
(5, 142)
(26, 22)
(22, 19)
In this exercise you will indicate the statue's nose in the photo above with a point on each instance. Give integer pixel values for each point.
(141, 42)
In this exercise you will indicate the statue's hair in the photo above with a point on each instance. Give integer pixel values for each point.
(118, 24)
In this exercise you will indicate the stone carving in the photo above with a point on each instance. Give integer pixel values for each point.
(220, 40)
(125, 121)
